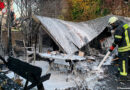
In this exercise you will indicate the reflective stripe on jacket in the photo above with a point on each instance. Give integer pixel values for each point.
(122, 37)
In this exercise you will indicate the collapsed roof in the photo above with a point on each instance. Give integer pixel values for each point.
(71, 36)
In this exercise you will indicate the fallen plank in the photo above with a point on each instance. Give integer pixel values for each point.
(62, 57)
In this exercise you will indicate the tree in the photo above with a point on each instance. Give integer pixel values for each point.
(9, 47)
(85, 9)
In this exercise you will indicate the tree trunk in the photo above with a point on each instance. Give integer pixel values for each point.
(1, 28)
(9, 48)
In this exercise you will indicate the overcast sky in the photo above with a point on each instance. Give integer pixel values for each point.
(16, 10)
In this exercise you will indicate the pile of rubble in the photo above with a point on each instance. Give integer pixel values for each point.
(81, 77)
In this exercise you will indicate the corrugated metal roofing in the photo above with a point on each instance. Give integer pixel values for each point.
(71, 36)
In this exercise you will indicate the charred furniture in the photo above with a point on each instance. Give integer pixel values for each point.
(29, 72)
(71, 60)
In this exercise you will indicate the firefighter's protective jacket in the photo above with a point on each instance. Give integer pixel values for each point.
(122, 37)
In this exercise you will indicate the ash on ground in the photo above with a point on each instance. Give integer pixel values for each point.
(83, 76)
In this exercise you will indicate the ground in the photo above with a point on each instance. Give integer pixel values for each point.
(83, 78)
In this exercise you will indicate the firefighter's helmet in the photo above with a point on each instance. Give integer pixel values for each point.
(112, 20)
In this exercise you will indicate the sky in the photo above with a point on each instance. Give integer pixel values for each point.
(16, 10)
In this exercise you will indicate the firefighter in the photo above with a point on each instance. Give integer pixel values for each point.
(122, 40)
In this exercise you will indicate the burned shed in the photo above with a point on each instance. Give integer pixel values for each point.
(70, 37)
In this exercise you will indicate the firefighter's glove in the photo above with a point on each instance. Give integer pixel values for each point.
(111, 48)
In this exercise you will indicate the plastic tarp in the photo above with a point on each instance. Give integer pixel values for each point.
(71, 36)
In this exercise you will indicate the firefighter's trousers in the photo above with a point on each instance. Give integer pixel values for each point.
(123, 63)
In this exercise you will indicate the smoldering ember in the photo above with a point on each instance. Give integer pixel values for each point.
(40, 52)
